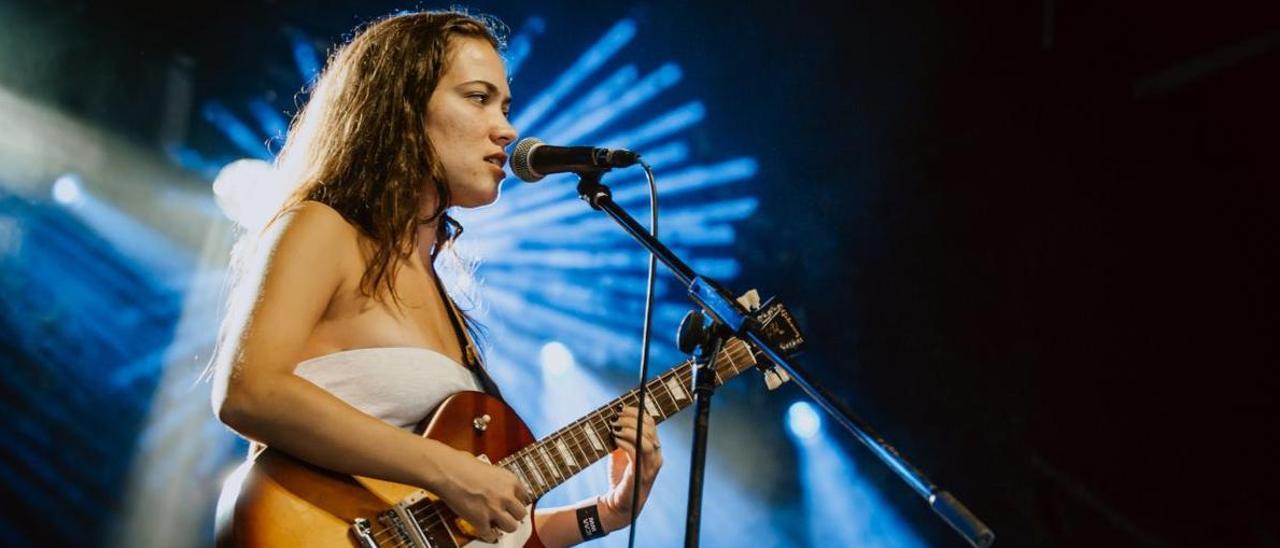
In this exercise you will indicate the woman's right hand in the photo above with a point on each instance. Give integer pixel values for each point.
(490, 498)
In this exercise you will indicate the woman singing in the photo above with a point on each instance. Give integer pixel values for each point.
(339, 336)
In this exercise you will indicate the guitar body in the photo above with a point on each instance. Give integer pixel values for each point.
(277, 500)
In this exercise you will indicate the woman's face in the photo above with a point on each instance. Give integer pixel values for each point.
(467, 122)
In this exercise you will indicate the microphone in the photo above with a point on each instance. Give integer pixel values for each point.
(533, 160)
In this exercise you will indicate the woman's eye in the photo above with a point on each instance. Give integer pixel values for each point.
(481, 98)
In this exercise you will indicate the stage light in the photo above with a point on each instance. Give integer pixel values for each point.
(803, 421)
(556, 358)
(843, 508)
(66, 190)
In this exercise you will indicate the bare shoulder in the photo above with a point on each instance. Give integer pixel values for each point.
(310, 228)
(309, 243)
(315, 217)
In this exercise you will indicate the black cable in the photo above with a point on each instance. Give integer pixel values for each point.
(644, 353)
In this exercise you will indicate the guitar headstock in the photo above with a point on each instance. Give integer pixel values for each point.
(775, 324)
(779, 328)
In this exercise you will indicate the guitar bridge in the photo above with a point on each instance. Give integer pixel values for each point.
(394, 520)
(413, 522)
(364, 533)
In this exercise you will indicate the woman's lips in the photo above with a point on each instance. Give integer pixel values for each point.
(498, 171)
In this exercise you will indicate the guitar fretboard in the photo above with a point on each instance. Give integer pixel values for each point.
(549, 462)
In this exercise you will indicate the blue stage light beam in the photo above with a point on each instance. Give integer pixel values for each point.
(686, 180)
(598, 97)
(649, 87)
(75, 311)
(172, 263)
(593, 342)
(841, 508)
(691, 179)
(269, 119)
(235, 130)
(591, 60)
(687, 227)
(521, 44)
(305, 56)
(668, 123)
(194, 160)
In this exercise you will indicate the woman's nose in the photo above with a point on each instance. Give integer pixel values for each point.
(504, 134)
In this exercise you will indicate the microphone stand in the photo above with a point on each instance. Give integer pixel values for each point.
(725, 311)
(705, 345)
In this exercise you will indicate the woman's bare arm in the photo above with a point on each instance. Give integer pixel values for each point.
(291, 281)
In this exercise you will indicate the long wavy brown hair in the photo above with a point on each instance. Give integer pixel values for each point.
(360, 145)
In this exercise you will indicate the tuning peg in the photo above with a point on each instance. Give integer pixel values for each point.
(750, 300)
(775, 377)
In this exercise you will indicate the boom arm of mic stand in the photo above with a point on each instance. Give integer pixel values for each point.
(943, 502)
(721, 306)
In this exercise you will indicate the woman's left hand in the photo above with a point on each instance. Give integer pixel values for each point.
(616, 508)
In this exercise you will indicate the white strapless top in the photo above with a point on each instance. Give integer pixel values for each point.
(399, 385)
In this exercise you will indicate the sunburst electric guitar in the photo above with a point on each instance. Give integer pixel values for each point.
(277, 500)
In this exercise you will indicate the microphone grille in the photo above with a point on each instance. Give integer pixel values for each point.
(521, 163)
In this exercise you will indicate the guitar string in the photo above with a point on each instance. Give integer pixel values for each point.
(379, 536)
(577, 437)
(575, 434)
(388, 532)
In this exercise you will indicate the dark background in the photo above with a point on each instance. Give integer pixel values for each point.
(1028, 240)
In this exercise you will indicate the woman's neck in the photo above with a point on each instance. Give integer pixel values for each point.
(426, 243)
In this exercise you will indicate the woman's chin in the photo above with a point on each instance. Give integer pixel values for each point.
(479, 199)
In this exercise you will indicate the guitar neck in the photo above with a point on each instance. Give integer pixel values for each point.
(552, 460)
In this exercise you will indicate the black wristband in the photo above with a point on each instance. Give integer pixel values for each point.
(589, 522)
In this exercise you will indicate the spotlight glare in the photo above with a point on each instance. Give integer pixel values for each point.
(803, 421)
(66, 189)
(556, 358)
